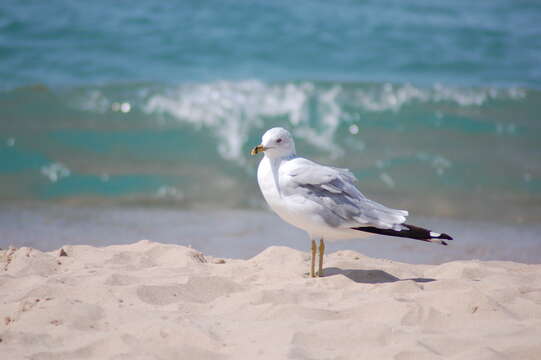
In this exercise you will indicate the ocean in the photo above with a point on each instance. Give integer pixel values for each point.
(151, 108)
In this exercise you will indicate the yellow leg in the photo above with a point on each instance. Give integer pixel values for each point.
(313, 265)
(321, 253)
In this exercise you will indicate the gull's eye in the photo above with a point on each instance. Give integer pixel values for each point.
(279, 141)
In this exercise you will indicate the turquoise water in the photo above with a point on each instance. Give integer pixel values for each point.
(456, 42)
(434, 106)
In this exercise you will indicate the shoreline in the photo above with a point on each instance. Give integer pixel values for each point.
(245, 233)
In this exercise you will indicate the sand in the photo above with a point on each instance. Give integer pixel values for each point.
(155, 301)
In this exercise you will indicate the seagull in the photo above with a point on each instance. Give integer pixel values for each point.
(323, 200)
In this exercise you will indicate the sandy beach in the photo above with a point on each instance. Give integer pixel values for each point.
(153, 301)
(165, 166)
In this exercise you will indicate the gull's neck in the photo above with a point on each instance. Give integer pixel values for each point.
(278, 159)
(275, 163)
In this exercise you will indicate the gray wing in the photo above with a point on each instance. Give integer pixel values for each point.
(334, 189)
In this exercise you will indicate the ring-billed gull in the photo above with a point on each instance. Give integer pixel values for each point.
(323, 200)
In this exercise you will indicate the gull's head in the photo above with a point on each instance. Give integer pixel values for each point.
(276, 142)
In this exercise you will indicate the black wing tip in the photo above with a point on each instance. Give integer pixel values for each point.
(436, 241)
(411, 231)
(439, 239)
(446, 237)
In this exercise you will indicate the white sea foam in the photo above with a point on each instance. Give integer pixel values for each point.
(169, 192)
(387, 180)
(93, 100)
(439, 163)
(391, 97)
(55, 171)
(231, 110)
(124, 107)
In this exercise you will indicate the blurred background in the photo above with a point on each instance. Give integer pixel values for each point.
(127, 120)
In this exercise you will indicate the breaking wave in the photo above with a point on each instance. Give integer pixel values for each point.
(315, 111)
(188, 144)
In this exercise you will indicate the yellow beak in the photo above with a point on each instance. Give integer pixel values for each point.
(257, 149)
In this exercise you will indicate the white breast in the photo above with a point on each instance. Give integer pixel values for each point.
(267, 177)
(267, 184)
(291, 209)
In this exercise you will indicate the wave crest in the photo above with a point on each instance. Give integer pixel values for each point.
(314, 110)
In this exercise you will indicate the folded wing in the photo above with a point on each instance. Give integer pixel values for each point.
(334, 189)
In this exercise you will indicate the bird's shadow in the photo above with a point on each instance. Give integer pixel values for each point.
(370, 276)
